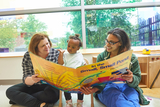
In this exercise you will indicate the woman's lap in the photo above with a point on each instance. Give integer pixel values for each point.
(119, 95)
(49, 94)
(32, 96)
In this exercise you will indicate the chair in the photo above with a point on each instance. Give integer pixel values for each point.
(92, 100)
(60, 99)
(60, 92)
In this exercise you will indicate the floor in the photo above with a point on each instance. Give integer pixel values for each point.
(155, 102)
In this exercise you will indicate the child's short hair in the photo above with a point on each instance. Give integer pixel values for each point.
(76, 37)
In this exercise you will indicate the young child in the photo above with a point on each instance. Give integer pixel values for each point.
(72, 59)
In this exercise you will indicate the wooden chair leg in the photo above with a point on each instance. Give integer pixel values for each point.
(60, 99)
(92, 101)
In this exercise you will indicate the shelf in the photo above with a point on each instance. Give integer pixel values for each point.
(143, 73)
(143, 82)
(142, 85)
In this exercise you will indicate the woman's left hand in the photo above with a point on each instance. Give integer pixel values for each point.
(128, 77)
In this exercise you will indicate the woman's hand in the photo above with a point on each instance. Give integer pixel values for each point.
(88, 90)
(35, 78)
(128, 77)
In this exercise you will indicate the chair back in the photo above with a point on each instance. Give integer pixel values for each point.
(87, 62)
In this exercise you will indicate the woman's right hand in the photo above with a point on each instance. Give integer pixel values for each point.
(88, 90)
(35, 78)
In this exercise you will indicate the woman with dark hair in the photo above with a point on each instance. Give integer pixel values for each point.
(32, 93)
(126, 94)
(123, 39)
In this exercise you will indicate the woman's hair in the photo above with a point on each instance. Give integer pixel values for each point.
(123, 39)
(36, 38)
(76, 37)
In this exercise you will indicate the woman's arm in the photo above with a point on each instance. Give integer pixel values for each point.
(33, 79)
(28, 73)
(136, 72)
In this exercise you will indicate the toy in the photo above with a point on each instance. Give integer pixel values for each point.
(146, 51)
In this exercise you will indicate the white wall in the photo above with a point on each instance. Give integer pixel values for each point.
(10, 68)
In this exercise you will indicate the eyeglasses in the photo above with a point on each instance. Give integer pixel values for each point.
(111, 43)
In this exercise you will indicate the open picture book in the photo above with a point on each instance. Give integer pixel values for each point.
(70, 79)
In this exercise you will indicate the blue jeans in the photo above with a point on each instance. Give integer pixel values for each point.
(119, 95)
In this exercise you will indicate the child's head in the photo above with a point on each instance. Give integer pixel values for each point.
(74, 44)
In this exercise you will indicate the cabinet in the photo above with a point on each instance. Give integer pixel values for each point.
(154, 67)
(150, 65)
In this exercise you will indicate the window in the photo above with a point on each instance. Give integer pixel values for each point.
(141, 24)
(16, 33)
(20, 19)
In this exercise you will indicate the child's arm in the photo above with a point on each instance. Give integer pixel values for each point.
(60, 58)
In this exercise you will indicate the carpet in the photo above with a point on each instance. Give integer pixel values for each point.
(153, 92)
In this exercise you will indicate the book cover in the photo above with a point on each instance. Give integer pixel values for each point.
(70, 79)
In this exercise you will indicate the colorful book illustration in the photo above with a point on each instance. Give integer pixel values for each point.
(70, 79)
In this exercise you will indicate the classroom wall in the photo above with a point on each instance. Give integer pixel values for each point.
(10, 68)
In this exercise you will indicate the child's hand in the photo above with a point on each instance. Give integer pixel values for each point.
(60, 58)
(61, 51)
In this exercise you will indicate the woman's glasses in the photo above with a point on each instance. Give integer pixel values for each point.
(111, 43)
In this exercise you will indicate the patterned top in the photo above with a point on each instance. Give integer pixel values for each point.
(28, 67)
